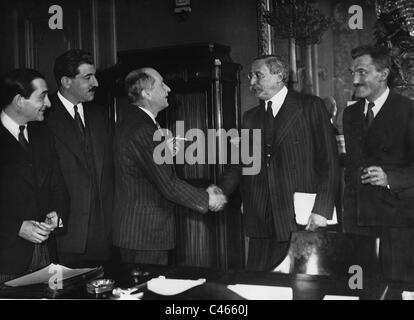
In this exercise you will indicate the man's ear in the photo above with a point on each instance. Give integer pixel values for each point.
(18, 101)
(384, 74)
(65, 82)
(146, 94)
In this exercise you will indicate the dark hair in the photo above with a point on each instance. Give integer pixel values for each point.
(67, 64)
(380, 55)
(276, 64)
(135, 82)
(17, 81)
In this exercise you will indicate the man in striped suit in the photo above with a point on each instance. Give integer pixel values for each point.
(299, 154)
(144, 190)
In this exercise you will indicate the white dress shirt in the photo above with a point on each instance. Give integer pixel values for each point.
(12, 126)
(69, 107)
(378, 103)
(277, 100)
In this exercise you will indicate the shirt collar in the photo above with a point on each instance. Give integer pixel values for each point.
(149, 113)
(379, 102)
(12, 126)
(69, 106)
(277, 100)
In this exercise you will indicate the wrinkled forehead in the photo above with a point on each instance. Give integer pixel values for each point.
(364, 61)
(259, 65)
(86, 69)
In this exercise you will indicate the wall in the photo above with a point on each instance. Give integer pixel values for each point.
(152, 23)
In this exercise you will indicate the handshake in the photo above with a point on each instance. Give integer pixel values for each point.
(217, 199)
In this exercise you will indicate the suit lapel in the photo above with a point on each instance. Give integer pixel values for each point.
(64, 128)
(13, 155)
(97, 130)
(285, 119)
(380, 129)
(39, 151)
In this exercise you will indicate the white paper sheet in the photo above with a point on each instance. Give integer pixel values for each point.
(303, 203)
(254, 292)
(407, 295)
(170, 287)
(334, 297)
(44, 275)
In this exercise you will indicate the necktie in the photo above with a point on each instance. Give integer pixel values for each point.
(22, 139)
(78, 121)
(370, 114)
(269, 110)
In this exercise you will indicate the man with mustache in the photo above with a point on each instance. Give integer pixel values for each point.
(299, 154)
(379, 163)
(33, 196)
(83, 142)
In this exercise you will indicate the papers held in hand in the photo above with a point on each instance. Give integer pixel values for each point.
(303, 208)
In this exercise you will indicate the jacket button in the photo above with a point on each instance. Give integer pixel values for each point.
(385, 149)
(268, 155)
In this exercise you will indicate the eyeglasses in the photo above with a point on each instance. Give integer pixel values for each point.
(257, 75)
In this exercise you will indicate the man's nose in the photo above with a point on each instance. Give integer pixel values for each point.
(47, 101)
(95, 81)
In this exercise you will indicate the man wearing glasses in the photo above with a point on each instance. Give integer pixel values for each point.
(299, 155)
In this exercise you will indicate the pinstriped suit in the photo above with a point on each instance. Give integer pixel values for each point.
(303, 158)
(145, 191)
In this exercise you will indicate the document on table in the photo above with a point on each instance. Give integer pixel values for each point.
(44, 275)
(255, 292)
(334, 297)
(303, 203)
(170, 287)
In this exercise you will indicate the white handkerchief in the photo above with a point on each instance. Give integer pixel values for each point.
(253, 292)
(303, 203)
(170, 287)
(334, 297)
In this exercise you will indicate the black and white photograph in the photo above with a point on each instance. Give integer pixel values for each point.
(193, 152)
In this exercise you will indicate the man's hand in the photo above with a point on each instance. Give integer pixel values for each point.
(316, 221)
(52, 220)
(217, 199)
(374, 176)
(34, 231)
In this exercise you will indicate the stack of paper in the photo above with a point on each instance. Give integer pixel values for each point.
(254, 292)
(170, 287)
(303, 203)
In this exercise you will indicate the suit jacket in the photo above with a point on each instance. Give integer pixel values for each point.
(30, 187)
(389, 144)
(303, 158)
(145, 191)
(75, 169)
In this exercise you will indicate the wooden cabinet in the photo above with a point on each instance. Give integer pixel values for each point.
(205, 95)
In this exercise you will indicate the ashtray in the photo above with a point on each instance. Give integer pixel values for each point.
(100, 286)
